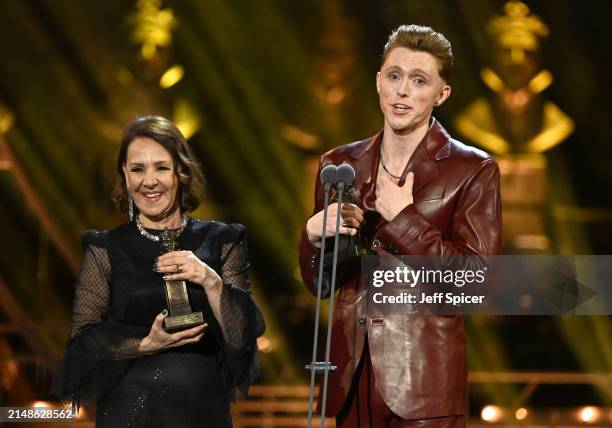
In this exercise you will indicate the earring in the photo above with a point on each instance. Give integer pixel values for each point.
(130, 207)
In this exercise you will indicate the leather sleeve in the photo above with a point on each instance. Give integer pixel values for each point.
(308, 253)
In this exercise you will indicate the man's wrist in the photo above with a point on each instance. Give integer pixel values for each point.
(399, 211)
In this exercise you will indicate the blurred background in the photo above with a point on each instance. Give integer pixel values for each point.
(261, 89)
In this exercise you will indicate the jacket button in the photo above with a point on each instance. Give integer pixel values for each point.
(362, 321)
(376, 243)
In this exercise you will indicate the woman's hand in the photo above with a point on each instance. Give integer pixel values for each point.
(158, 339)
(351, 217)
(186, 266)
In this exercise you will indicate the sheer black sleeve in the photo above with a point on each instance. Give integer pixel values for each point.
(241, 320)
(90, 314)
(97, 348)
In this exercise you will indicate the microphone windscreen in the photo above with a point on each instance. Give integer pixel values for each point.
(345, 174)
(328, 174)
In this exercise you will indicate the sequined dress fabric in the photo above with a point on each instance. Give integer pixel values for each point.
(117, 297)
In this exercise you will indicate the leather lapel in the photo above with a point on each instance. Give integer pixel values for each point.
(435, 146)
(366, 157)
(423, 167)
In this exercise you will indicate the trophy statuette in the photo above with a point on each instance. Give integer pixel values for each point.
(180, 315)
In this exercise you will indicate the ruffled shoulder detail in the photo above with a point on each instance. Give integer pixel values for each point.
(212, 229)
(97, 238)
(208, 227)
(233, 232)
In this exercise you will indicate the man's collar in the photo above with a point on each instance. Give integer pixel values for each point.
(436, 142)
(368, 145)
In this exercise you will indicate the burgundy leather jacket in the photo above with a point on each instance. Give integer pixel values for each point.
(419, 361)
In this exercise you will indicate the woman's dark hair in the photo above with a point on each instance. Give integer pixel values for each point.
(190, 190)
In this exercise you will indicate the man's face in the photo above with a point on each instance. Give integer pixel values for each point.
(409, 87)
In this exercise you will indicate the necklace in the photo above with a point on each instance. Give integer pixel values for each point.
(382, 162)
(153, 237)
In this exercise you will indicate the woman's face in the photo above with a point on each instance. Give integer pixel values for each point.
(151, 178)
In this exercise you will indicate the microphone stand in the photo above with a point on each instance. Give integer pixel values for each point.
(327, 364)
(316, 366)
(344, 175)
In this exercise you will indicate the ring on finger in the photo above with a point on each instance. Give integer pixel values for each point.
(179, 268)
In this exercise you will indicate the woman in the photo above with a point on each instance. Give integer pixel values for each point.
(118, 351)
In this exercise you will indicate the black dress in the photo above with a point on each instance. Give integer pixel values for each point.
(117, 297)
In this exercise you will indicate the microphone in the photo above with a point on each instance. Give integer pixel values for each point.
(328, 176)
(345, 176)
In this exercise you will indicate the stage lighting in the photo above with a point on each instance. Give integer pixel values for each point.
(521, 413)
(589, 414)
(491, 413)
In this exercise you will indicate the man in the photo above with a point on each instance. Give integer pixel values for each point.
(417, 192)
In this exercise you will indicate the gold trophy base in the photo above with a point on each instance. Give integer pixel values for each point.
(183, 322)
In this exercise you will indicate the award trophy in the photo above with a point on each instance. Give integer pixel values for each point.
(180, 315)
